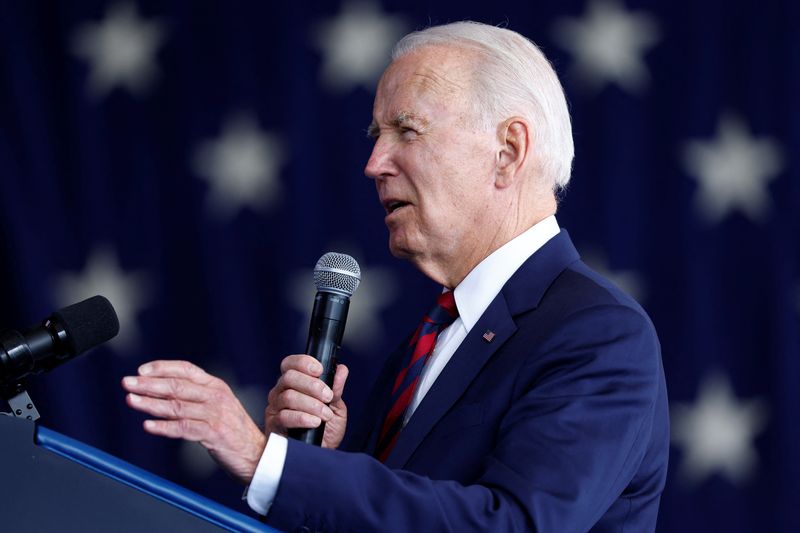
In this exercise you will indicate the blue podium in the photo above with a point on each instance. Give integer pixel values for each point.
(51, 483)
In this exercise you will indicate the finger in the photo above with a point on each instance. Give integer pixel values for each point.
(176, 369)
(194, 430)
(169, 388)
(302, 363)
(170, 409)
(339, 379)
(297, 419)
(311, 386)
(296, 401)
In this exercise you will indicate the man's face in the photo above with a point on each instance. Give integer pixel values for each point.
(432, 164)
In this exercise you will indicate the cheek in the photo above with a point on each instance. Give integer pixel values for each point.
(451, 184)
(468, 188)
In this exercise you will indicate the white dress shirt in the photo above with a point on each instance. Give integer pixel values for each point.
(473, 295)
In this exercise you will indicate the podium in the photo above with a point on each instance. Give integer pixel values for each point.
(51, 483)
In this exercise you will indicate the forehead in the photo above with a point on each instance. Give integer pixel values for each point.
(428, 76)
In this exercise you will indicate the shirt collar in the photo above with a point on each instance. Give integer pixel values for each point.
(476, 291)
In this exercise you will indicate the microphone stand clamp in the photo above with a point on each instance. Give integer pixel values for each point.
(19, 401)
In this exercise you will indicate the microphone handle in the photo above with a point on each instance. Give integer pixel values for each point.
(324, 340)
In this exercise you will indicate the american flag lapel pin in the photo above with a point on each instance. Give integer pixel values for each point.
(488, 336)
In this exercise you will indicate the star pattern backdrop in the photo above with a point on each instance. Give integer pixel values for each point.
(192, 160)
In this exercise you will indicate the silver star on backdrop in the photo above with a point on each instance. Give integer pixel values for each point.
(120, 50)
(733, 171)
(608, 45)
(717, 433)
(627, 280)
(377, 290)
(356, 45)
(242, 167)
(127, 291)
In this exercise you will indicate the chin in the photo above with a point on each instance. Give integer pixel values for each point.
(400, 252)
(400, 248)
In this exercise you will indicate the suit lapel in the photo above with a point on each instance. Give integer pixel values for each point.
(459, 372)
(521, 293)
(365, 436)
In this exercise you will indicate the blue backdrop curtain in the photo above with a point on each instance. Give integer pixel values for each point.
(192, 160)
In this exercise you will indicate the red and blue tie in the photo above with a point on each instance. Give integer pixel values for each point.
(419, 351)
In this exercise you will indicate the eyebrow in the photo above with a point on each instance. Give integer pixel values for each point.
(402, 118)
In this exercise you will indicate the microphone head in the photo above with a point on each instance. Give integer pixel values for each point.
(88, 323)
(337, 273)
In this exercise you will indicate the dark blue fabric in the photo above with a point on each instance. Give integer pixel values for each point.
(559, 424)
(78, 173)
(437, 319)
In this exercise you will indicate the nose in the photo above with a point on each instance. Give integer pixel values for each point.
(380, 163)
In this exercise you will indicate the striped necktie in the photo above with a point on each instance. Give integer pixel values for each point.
(419, 351)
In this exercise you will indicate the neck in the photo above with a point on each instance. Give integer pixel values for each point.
(451, 270)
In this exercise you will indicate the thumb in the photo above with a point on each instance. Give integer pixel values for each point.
(339, 379)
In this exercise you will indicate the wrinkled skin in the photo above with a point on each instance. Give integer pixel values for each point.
(190, 404)
(453, 192)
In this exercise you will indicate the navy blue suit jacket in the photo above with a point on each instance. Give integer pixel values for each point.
(560, 423)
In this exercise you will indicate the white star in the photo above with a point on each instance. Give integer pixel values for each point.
(241, 167)
(717, 433)
(377, 290)
(733, 170)
(127, 292)
(627, 280)
(608, 45)
(356, 45)
(120, 50)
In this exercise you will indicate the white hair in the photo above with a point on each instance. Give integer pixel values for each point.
(513, 78)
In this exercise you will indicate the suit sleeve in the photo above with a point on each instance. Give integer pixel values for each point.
(566, 449)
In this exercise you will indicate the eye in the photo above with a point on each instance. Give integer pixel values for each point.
(408, 133)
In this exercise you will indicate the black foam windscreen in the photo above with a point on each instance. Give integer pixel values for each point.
(88, 323)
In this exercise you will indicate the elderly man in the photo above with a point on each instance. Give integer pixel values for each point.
(532, 397)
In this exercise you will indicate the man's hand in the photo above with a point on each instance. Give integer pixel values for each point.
(196, 406)
(301, 400)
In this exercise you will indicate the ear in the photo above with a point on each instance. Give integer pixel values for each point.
(513, 134)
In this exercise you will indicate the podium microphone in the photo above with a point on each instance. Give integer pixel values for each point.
(65, 334)
(337, 277)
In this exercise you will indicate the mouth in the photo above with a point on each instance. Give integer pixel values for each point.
(392, 205)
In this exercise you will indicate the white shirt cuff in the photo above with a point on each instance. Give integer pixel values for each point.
(267, 477)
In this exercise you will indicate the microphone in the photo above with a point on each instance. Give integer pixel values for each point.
(337, 277)
(65, 334)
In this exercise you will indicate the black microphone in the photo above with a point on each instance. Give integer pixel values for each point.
(62, 336)
(337, 277)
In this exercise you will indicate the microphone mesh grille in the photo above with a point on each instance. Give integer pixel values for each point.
(338, 273)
